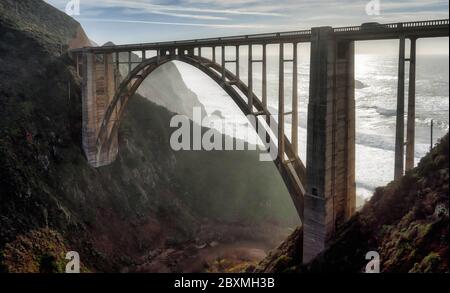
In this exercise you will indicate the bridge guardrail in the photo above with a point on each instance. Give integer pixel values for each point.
(274, 37)
(393, 26)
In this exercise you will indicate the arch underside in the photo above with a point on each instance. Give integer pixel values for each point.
(291, 168)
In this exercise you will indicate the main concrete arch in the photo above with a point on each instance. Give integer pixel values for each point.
(290, 166)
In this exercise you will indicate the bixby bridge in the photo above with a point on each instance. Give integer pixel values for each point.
(323, 189)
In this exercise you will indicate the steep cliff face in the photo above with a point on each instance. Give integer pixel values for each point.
(52, 201)
(40, 20)
(407, 223)
(32, 33)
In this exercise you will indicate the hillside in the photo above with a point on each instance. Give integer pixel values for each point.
(43, 23)
(406, 222)
(120, 216)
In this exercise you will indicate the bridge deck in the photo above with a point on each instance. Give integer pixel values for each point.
(370, 31)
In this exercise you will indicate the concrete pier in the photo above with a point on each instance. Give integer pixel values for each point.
(411, 123)
(99, 87)
(250, 78)
(400, 125)
(264, 76)
(281, 118)
(330, 196)
(294, 134)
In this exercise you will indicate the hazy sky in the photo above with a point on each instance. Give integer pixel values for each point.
(135, 21)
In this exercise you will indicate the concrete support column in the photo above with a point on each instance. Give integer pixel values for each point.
(129, 62)
(281, 142)
(89, 108)
(411, 124)
(330, 194)
(250, 78)
(77, 58)
(264, 76)
(158, 56)
(98, 90)
(223, 63)
(117, 70)
(295, 100)
(400, 128)
(238, 63)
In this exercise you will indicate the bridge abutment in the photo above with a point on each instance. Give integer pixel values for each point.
(98, 90)
(331, 193)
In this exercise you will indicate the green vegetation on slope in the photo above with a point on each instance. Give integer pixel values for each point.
(41, 21)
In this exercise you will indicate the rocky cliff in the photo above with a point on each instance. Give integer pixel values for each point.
(49, 26)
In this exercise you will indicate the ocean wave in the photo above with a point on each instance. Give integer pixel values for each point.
(382, 111)
(442, 125)
(375, 141)
(359, 85)
(420, 121)
(367, 186)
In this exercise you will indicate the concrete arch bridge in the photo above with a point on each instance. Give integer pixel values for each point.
(323, 187)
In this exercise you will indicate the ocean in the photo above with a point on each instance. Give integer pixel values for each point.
(375, 107)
